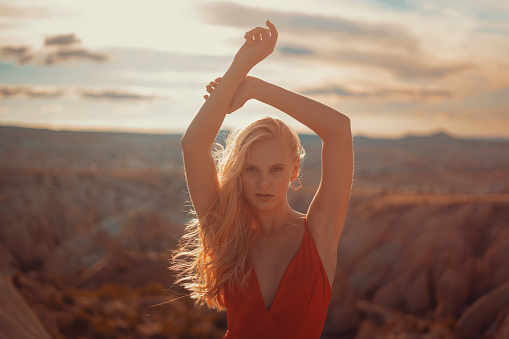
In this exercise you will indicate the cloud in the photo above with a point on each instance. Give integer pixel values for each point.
(30, 91)
(295, 50)
(406, 66)
(14, 12)
(76, 54)
(341, 29)
(388, 47)
(21, 53)
(386, 93)
(35, 92)
(115, 95)
(59, 51)
(61, 39)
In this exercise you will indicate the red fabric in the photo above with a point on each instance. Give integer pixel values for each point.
(299, 307)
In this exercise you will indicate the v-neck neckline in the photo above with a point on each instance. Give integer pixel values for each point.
(284, 273)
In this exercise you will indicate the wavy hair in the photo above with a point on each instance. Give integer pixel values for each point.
(215, 250)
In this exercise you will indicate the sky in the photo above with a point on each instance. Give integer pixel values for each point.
(393, 67)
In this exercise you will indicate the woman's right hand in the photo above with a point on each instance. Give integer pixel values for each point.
(243, 94)
(260, 43)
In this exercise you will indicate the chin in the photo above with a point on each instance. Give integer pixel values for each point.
(264, 205)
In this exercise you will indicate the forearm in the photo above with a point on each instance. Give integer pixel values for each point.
(325, 121)
(206, 124)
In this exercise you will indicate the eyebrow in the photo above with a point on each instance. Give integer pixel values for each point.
(248, 164)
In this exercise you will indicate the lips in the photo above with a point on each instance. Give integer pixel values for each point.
(264, 197)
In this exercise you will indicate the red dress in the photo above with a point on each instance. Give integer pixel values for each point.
(299, 306)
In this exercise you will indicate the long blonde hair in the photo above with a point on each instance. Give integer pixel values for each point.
(215, 250)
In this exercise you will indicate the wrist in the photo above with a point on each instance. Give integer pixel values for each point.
(239, 67)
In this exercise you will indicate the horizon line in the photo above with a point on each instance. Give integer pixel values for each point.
(153, 131)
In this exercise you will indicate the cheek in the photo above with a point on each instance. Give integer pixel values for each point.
(245, 182)
(283, 180)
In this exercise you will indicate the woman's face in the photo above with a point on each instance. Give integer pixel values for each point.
(267, 172)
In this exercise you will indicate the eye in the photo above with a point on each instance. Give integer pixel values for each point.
(277, 169)
(250, 169)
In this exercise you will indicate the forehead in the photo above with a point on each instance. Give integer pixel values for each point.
(268, 152)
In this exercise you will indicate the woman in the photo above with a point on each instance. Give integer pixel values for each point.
(246, 250)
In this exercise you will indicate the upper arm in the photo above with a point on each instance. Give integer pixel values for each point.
(201, 178)
(330, 203)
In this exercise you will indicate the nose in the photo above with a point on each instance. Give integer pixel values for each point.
(263, 180)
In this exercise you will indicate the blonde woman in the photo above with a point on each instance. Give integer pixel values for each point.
(246, 250)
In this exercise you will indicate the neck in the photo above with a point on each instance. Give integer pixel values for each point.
(272, 220)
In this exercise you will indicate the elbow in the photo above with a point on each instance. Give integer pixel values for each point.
(340, 127)
(344, 125)
(185, 142)
(344, 122)
(187, 146)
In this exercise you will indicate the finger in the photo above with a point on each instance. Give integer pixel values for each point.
(256, 39)
(218, 79)
(265, 40)
(256, 31)
(209, 89)
(273, 35)
(250, 36)
(205, 96)
(251, 41)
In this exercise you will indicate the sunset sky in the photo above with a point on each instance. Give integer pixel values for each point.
(393, 67)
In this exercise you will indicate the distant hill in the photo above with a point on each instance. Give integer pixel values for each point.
(441, 135)
(434, 163)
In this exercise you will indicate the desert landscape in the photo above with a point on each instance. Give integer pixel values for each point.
(88, 219)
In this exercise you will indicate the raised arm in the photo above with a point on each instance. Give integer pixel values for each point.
(199, 137)
(330, 203)
(201, 175)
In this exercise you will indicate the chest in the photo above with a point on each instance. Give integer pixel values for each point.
(271, 259)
